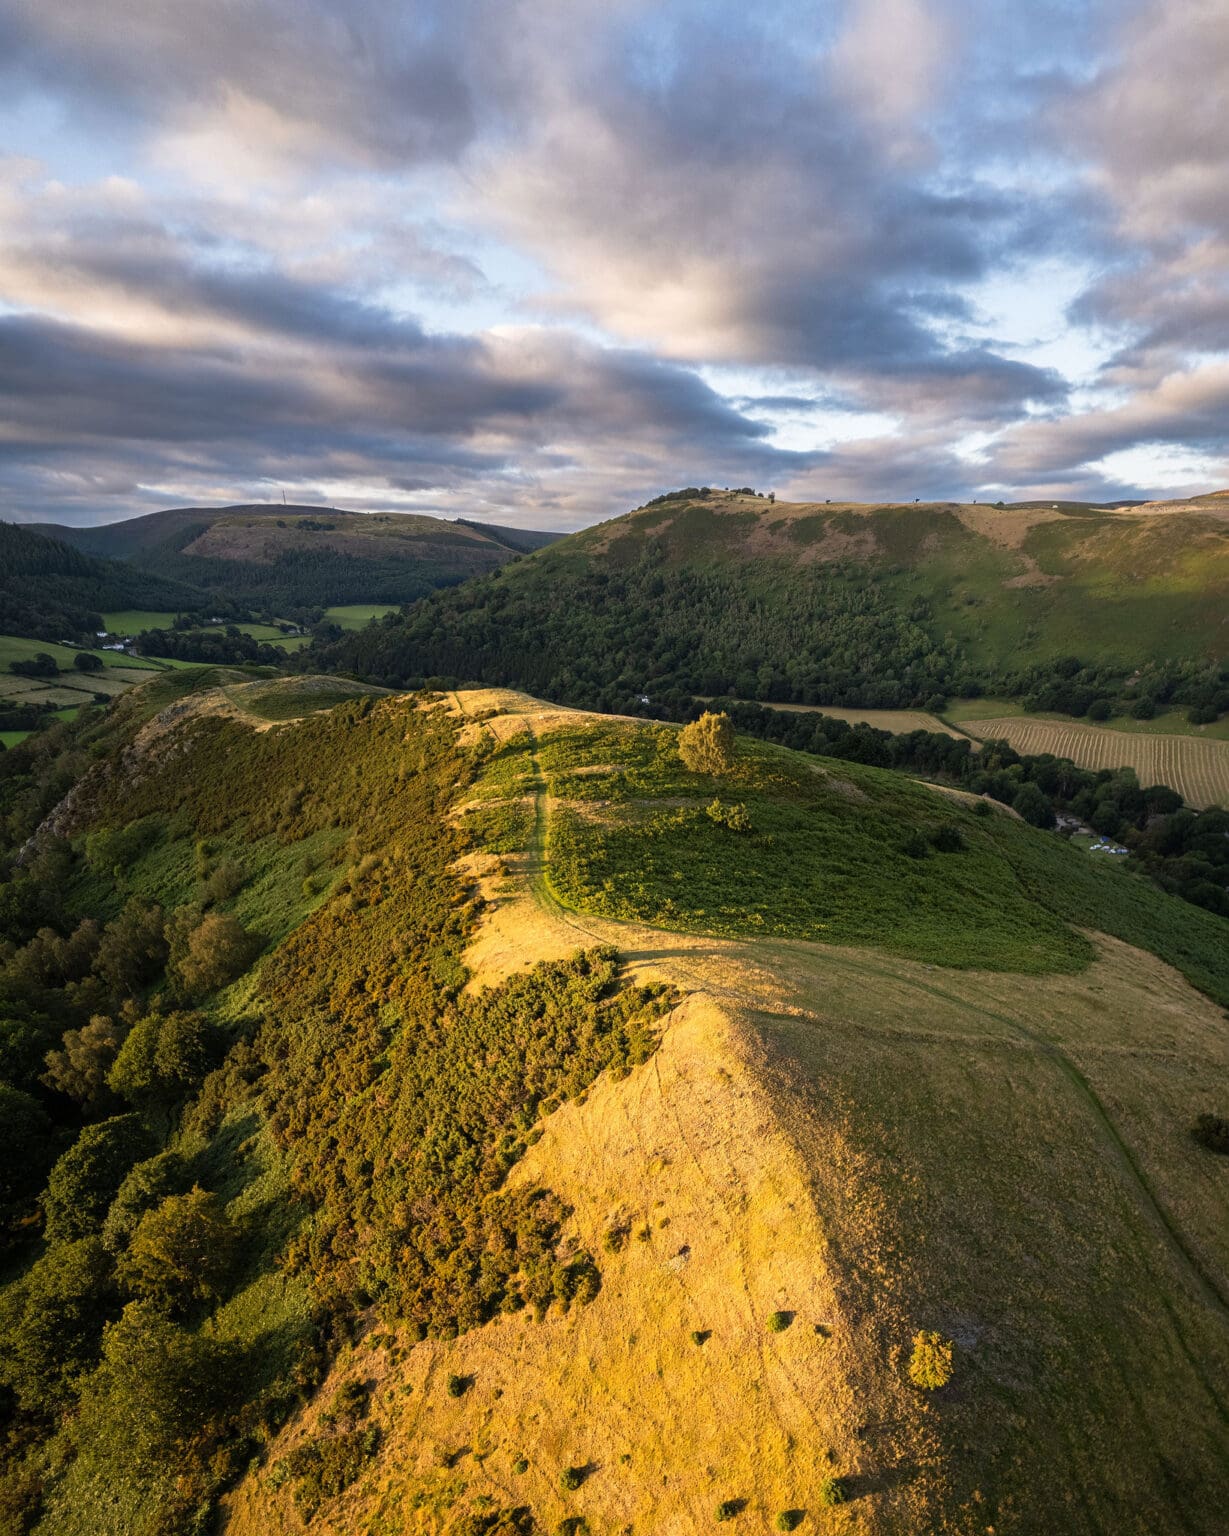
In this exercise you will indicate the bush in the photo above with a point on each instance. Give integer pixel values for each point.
(728, 1508)
(86, 661)
(209, 954)
(458, 1385)
(778, 1322)
(707, 744)
(1032, 806)
(324, 1468)
(948, 838)
(832, 1491)
(145, 1186)
(915, 846)
(572, 1477)
(930, 1364)
(734, 817)
(1212, 1132)
(790, 1519)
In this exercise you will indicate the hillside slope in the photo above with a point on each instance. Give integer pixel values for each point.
(890, 606)
(51, 591)
(593, 1163)
(286, 558)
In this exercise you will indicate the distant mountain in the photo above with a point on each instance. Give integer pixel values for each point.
(288, 558)
(51, 592)
(893, 605)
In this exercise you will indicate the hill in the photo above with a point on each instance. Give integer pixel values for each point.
(51, 591)
(284, 559)
(1068, 607)
(461, 1117)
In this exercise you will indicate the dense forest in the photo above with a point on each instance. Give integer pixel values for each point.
(49, 591)
(611, 637)
(236, 1055)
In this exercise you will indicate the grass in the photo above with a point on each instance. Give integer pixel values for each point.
(131, 621)
(357, 615)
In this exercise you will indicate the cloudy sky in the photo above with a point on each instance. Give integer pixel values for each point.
(537, 260)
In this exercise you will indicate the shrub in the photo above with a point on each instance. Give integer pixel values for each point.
(728, 1508)
(86, 661)
(701, 1336)
(324, 1468)
(948, 838)
(915, 846)
(832, 1491)
(572, 1477)
(707, 744)
(163, 1058)
(930, 1364)
(1212, 1132)
(458, 1386)
(734, 817)
(790, 1519)
(778, 1322)
(520, 1466)
(208, 954)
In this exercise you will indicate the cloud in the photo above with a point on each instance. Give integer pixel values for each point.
(485, 254)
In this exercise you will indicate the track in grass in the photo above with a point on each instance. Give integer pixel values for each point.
(1197, 769)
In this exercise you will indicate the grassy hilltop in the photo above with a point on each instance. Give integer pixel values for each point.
(286, 558)
(452, 1114)
(893, 605)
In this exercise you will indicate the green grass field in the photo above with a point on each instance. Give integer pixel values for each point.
(131, 621)
(357, 615)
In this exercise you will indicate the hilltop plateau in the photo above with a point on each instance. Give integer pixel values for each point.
(500, 1126)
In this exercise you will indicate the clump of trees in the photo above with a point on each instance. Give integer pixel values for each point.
(707, 744)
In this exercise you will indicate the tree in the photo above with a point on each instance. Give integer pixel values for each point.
(707, 744)
(86, 661)
(86, 1179)
(1032, 805)
(208, 953)
(79, 1069)
(25, 1135)
(181, 1252)
(51, 1322)
(163, 1389)
(38, 665)
(163, 1058)
(930, 1364)
(145, 1186)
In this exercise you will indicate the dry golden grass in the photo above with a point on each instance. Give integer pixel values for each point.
(875, 1146)
(1197, 768)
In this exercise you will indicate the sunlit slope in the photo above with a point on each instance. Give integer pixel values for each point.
(939, 1121)
(891, 605)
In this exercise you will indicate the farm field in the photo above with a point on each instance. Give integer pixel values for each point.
(1172, 723)
(131, 621)
(357, 615)
(1197, 769)
(898, 721)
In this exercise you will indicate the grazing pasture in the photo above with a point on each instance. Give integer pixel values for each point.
(1198, 769)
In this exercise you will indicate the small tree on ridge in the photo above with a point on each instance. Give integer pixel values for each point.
(707, 744)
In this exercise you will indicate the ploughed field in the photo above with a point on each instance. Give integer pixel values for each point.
(1197, 768)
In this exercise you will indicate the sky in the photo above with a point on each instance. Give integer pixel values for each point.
(536, 261)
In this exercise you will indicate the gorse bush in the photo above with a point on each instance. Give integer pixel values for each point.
(707, 744)
(930, 1361)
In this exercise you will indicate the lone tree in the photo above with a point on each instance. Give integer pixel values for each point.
(707, 744)
(930, 1364)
